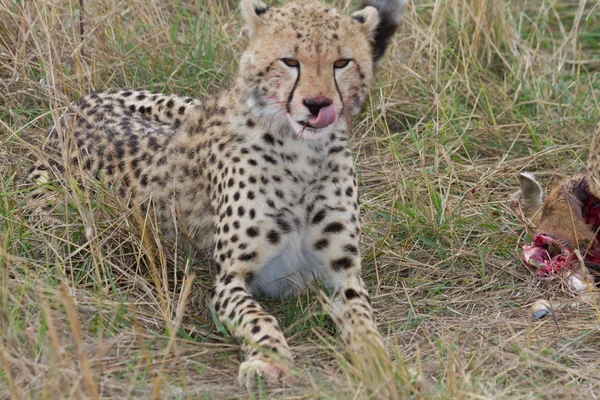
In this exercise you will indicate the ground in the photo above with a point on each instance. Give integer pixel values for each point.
(470, 94)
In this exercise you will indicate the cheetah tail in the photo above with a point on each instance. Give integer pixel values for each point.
(390, 12)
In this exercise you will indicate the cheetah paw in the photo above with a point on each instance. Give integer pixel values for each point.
(271, 373)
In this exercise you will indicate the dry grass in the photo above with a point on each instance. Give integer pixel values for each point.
(471, 93)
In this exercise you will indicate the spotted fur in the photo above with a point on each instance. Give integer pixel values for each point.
(251, 176)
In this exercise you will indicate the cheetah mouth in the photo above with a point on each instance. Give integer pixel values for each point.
(306, 130)
(325, 118)
(305, 124)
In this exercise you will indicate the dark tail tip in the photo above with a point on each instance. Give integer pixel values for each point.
(390, 12)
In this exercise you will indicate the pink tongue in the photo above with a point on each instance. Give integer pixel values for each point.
(326, 117)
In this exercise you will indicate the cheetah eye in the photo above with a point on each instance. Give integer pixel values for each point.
(290, 62)
(341, 63)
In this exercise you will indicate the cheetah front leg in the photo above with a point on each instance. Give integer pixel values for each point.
(240, 253)
(334, 236)
(266, 352)
(336, 243)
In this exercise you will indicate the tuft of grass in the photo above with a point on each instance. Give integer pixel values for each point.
(94, 304)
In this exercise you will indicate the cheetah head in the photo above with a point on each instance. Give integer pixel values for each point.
(308, 67)
(568, 218)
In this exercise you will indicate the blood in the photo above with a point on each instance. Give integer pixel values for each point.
(591, 211)
(537, 255)
(591, 216)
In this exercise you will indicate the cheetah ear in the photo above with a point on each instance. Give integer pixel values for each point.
(253, 12)
(368, 18)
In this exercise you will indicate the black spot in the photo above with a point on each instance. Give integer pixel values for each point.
(261, 10)
(319, 217)
(321, 244)
(250, 123)
(341, 263)
(273, 236)
(269, 159)
(237, 289)
(283, 225)
(247, 256)
(231, 315)
(334, 227)
(252, 231)
(351, 294)
(350, 248)
(268, 138)
(349, 191)
(264, 338)
(255, 329)
(249, 278)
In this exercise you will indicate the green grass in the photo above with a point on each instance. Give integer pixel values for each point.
(470, 94)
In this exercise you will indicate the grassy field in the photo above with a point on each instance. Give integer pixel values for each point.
(94, 304)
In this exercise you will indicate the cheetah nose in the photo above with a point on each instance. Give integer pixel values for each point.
(314, 105)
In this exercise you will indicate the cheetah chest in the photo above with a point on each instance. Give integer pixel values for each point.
(269, 219)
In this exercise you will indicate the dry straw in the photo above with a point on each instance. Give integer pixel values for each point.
(94, 304)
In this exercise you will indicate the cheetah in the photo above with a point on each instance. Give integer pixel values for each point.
(260, 173)
(565, 224)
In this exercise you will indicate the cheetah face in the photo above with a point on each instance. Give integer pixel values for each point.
(307, 68)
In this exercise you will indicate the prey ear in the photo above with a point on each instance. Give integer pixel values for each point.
(530, 196)
(253, 12)
(390, 12)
